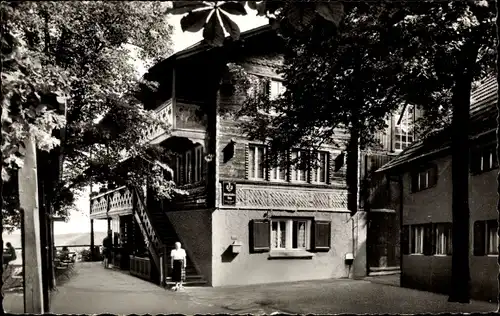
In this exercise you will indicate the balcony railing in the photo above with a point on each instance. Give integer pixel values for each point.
(115, 202)
(165, 113)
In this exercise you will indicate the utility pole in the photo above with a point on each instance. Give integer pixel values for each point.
(28, 198)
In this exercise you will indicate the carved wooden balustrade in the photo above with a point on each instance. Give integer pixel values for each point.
(165, 113)
(119, 201)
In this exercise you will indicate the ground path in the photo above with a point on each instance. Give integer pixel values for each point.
(94, 290)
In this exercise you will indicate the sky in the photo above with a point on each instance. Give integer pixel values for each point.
(79, 221)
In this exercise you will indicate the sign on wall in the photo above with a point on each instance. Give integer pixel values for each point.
(228, 193)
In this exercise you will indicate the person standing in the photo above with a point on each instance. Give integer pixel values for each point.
(178, 264)
(107, 245)
(10, 254)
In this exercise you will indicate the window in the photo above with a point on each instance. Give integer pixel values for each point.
(178, 170)
(279, 173)
(290, 234)
(283, 234)
(443, 237)
(276, 89)
(198, 164)
(298, 172)
(256, 156)
(320, 172)
(188, 168)
(424, 179)
(486, 238)
(403, 130)
(417, 240)
(484, 159)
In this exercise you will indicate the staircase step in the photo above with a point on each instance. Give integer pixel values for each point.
(384, 273)
(377, 269)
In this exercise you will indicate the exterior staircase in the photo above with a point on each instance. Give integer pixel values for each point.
(157, 228)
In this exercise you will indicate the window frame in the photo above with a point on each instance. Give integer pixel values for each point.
(281, 89)
(317, 170)
(294, 169)
(491, 224)
(289, 223)
(447, 242)
(413, 236)
(478, 155)
(253, 150)
(430, 182)
(408, 119)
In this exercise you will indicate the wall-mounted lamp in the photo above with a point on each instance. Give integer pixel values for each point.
(228, 151)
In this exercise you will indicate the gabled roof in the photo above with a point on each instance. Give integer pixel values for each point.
(201, 46)
(483, 115)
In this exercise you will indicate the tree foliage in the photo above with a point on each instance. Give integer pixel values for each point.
(299, 14)
(85, 52)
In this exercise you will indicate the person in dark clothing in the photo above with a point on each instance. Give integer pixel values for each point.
(10, 254)
(107, 245)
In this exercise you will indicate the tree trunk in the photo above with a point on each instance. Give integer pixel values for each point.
(459, 291)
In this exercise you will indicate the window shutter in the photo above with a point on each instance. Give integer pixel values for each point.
(182, 177)
(475, 160)
(479, 238)
(260, 236)
(322, 235)
(267, 88)
(449, 242)
(247, 151)
(433, 238)
(405, 243)
(427, 239)
(414, 181)
(433, 176)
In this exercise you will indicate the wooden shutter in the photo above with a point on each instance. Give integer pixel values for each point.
(260, 236)
(475, 160)
(479, 238)
(414, 181)
(449, 227)
(322, 235)
(182, 176)
(247, 152)
(405, 242)
(433, 175)
(427, 246)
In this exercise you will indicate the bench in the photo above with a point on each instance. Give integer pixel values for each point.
(64, 268)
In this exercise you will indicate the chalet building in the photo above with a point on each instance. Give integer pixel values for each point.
(242, 222)
(423, 174)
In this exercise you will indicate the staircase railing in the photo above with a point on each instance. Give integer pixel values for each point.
(154, 244)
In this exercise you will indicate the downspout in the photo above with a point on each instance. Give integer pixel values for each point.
(401, 198)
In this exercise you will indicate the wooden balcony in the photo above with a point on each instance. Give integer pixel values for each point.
(184, 119)
(115, 202)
